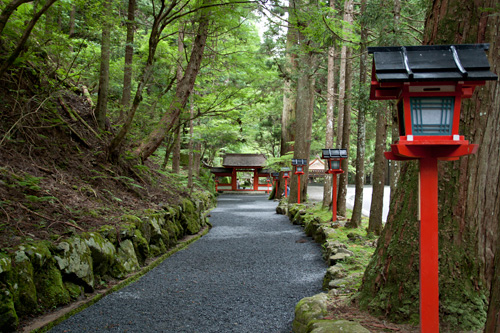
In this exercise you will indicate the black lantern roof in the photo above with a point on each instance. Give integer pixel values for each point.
(334, 153)
(465, 62)
(275, 174)
(299, 161)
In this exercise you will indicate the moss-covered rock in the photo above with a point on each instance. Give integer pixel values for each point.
(141, 247)
(157, 249)
(110, 233)
(190, 219)
(74, 259)
(74, 290)
(49, 286)
(307, 310)
(329, 326)
(126, 260)
(102, 251)
(8, 316)
(145, 228)
(23, 284)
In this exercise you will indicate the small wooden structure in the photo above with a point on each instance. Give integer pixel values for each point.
(316, 168)
(249, 163)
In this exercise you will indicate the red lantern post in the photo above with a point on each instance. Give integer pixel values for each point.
(429, 83)
(334, 156)
(299, 165)
(286, 175)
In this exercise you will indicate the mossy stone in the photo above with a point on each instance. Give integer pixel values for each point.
(110, 233)
(141, 247)
(23, 284)
(308, 309)
(8, 316)
(102, 251)
(74, 259)
(157, 249)
(145, 229)
(50, 288)
(74, 290)
(126, 260)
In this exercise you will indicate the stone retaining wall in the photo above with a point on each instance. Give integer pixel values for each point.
(43, 275)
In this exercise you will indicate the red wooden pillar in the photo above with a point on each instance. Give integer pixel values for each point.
(255, 181)
(233, 180)
(429, 265)
(334, 197)
(298, 190)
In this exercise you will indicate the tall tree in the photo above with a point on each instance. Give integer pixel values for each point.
(129, 57)
(176, 156)
(102, 94)
(304, 110)
(330, 105)
(360, 144)
(343, 177)
(469, 207)
(379, 168)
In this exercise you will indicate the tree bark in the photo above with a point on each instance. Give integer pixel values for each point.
(190, 146)
(343, 177)
(184, 89)
(129, 55)
(176, 157)
(348, 8)
(289, 98)
(303, 124)
(330, 105)
(379, 168)
(469, 204)
(102, 94)
(360, 144)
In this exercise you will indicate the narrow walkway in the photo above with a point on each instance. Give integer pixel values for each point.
(246, 275)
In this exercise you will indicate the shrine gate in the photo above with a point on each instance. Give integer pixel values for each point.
(249, 164)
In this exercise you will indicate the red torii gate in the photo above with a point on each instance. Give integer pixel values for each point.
(234, 163)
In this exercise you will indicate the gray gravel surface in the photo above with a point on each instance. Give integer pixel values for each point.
(246, 275)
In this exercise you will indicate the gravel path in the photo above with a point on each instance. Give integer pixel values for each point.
(246, 275)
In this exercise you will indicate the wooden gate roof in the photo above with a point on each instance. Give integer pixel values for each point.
(244, 160)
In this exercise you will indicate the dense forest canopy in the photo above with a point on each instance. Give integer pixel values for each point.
(183, 82)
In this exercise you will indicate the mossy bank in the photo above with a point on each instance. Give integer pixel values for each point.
(42, 275)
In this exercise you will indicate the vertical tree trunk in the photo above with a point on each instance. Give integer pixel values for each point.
(360, 145)
(330, 106)
(348, 7)
(305, 96)
(102, 94)
(176, 157)
(129, 55)
(190, 146)
(395, 165)
(469, 204)
(330, 115)
(343, 177)
(379, 168)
